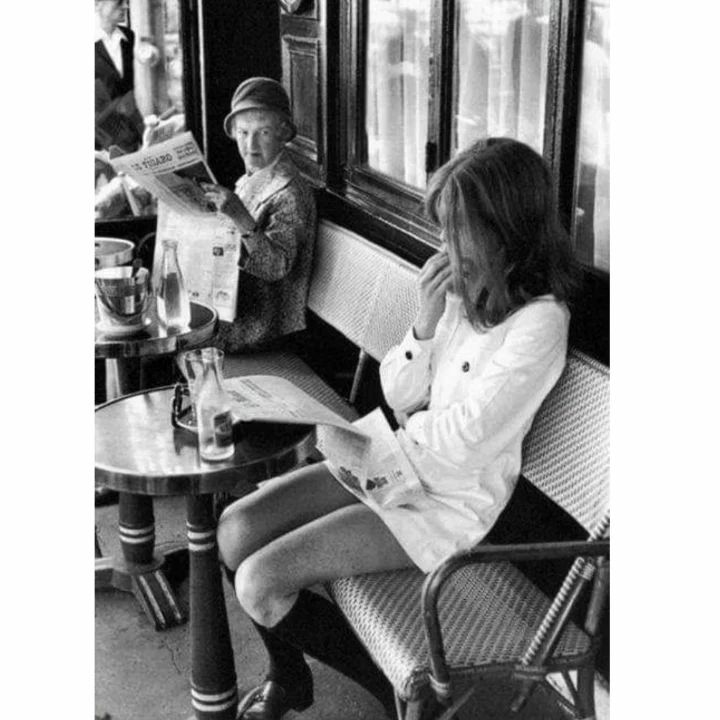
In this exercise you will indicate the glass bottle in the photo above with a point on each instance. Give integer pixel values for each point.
(214, 417)
(173, 303)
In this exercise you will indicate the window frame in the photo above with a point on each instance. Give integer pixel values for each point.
(398, 205)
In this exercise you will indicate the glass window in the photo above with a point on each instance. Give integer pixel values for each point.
(501, 70)
(592, 179)
(397, 88)
(138, 83)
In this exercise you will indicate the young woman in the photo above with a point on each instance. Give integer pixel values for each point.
(488, 344)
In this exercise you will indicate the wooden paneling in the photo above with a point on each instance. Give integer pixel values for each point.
(301, 74)
(304, 59)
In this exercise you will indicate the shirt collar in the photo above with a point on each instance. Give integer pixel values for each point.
(116, 35)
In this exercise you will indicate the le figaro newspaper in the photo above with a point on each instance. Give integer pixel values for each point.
(208, 243)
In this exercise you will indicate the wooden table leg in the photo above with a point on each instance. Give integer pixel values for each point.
(213, 681)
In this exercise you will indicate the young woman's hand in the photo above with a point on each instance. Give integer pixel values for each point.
(228, 203)
(434, 280)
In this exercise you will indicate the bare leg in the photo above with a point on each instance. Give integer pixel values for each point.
(348, 541)
(296, 531)
(276, 508)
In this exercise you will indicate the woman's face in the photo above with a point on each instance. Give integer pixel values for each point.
(259, 136)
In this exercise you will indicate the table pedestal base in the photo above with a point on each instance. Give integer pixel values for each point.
(150, 583)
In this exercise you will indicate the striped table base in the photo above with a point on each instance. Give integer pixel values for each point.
(213, 681)
(140, 571)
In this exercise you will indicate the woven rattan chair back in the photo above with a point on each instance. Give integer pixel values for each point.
(566, 454)
(362, 290)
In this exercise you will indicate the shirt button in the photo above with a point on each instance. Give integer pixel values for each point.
(408, 355)
(465, 366)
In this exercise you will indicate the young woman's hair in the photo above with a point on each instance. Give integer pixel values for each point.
(497, 196)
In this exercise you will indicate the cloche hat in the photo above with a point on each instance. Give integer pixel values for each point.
(259, 93)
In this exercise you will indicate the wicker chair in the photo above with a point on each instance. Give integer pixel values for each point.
(477, 615)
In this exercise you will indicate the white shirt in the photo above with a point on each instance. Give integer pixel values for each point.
(470, 397)
(112, 45)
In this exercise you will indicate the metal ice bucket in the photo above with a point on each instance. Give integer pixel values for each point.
(122, 297)
(110, 252)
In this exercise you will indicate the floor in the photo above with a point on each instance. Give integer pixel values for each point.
(141, 674)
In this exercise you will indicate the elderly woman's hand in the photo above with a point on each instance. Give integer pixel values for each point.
(228, 203)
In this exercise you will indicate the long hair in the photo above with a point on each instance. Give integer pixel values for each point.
(497, 197)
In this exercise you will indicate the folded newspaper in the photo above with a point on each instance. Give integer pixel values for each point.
(208, 243)
(365, 455)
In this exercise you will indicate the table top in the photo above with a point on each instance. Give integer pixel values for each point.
(138, 451)
(154, 339)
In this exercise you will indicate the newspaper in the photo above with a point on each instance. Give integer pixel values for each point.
(208, 243)
(171, 171)
(376, 470)
(365, 455)
(208, 254)
(274, 399)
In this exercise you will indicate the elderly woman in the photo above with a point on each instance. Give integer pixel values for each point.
(274, 212)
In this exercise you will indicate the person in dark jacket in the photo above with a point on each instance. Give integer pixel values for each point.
(117, 120)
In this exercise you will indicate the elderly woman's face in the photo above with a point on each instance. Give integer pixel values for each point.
(260, 137)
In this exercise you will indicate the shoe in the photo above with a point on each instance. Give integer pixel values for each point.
(269, 701)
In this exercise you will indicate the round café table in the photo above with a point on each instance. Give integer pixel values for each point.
(139, 453)
(141, 570)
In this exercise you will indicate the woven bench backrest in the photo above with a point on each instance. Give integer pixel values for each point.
(361, 289)
(566, 454)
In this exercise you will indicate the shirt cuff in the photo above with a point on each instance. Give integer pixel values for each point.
(412, 349)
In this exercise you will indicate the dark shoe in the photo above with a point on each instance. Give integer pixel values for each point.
(269, 701)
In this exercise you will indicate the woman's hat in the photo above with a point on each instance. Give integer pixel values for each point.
(259, 93)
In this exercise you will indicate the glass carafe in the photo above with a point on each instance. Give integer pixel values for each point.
(173, 304)
(203, 371)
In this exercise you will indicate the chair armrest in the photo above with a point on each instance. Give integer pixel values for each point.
(435, 581)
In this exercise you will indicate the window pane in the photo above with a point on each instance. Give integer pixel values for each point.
(397, 88)
(137, 76)
(592, 180)
(501, 70)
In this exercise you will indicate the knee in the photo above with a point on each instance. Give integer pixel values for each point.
(230, 539)
(256, 587)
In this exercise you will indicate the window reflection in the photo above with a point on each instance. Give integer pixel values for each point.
(501, 70)
(397, 88)
(592, 188)
(138, 93)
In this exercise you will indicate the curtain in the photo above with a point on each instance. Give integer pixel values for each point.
(397, 88)
(502, 48)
